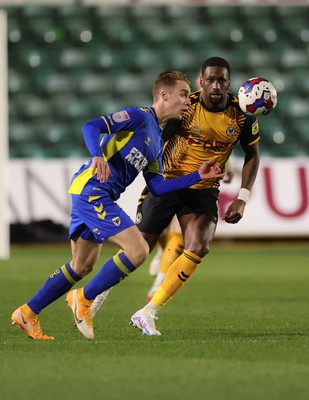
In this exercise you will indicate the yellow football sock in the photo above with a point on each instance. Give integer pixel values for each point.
(172, 250)
(176, 276)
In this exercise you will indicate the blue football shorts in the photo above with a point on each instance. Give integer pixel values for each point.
(96, 218)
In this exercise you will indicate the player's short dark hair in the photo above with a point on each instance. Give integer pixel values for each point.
(168, 79)
(216, 62)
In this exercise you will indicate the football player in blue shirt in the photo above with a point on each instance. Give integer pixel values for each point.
(131, 143)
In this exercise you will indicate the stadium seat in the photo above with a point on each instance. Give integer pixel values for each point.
(28, 56)
(19, 82)
(255, 12)
(221, 12)
(20, 132)
(258, 58)
(298, 107)
(301, 127)
(46, 31)
(197, 34)
(69, 108)
(115, 32)
(67, 11)
(110, 12)
(277, 138)
(283, 12)
(152, 37)
(72, 63)
(296, 29)
(73, 57)
(14, 30)
(283, 82)
(95, 83)
(231, 32)
(107, 105)
(292, 58)
(29, 149)
(101, 58)
(186, 14)
(127, 83)
(264, 31)
(49, 81)
(31, 106)
(300, 80)
(36, 11)
(149, 12)
(78, 29)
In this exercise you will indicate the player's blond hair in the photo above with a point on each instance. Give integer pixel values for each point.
(168, 79)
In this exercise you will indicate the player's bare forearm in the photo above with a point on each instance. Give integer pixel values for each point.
(250, 167)
(235, 211)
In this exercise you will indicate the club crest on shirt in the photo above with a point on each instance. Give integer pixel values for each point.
(138, 218)
(231, 131)
(116, 221)
(196, 130)
(120, 116)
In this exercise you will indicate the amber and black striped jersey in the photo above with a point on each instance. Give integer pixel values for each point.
(202, 134)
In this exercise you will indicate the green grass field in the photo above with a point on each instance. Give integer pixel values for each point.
(239, 330)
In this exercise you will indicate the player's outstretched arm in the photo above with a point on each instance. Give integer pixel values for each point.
(160, 186)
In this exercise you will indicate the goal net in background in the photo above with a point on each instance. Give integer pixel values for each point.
(4, 219)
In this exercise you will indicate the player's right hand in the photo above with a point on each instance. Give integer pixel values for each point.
(235, 212)
(101, 168)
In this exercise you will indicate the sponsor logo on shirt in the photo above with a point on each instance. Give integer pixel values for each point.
(137, 159)
(120, 116)
(255, 127)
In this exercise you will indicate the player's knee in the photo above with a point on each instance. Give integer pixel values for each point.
(200, 249)
(142, 253)
(88, 268)
(82, 269)
(139, 254)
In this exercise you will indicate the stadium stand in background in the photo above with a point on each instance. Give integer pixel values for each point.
(69, 64)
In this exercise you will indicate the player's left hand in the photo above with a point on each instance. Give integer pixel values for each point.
(101, 168)
(235, 212)
(210, 170)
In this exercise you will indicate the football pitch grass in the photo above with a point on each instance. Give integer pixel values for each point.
(239, 330)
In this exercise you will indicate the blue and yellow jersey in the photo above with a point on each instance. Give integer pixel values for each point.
(202, 135)
(131, 143)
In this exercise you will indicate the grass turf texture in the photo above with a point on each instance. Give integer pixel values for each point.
(238, 330)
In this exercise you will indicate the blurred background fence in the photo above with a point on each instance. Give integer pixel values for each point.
(70, 62)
